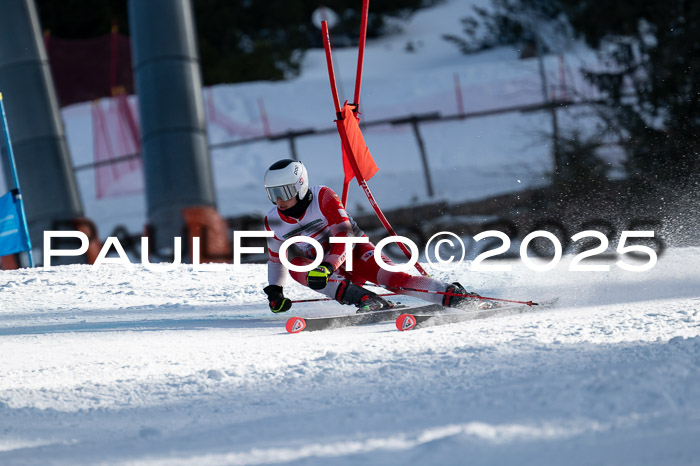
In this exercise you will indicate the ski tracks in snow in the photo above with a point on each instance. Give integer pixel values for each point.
(178, 368)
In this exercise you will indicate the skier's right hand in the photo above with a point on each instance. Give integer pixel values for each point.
(278, 303)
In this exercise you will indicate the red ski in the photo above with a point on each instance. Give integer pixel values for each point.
(410, 320)
(310, 324)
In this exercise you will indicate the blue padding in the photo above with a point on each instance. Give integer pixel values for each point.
(12, 237)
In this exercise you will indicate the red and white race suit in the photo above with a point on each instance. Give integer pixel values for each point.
(325, 217)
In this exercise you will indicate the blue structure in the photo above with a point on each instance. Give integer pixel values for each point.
(13, 226)
(49, 188)
(14, 234)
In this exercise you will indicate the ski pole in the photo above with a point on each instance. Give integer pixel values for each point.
(331, 299)
(462, 295)
(446, 293)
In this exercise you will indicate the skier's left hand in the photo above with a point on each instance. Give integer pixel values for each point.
(275, 295)
(317, 279)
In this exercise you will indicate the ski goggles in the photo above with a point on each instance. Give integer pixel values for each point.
(285, 192)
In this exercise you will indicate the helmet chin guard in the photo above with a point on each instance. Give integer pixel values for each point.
(286, 179)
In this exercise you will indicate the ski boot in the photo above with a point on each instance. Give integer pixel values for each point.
(373, 303)
(484, 305)
(461, 302)
(365, 300)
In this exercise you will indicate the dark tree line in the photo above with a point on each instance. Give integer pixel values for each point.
(650, 84)
(239, 40)
(653, 89)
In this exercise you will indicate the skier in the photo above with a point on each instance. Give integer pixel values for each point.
(317, 212)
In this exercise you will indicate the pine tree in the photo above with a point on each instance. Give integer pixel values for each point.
(651, 83)
(239, 40)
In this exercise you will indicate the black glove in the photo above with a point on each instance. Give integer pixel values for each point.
(317, 279)
(278, 303)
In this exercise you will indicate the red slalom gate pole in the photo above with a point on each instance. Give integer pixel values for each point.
(461, 295)
(334, 90)
(358, 77)
(348, 149)
(363, 184)
(445, 293)
(329, 62)
(361, 54)
(344, 198)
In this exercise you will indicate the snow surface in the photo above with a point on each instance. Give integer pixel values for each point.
(111, 366)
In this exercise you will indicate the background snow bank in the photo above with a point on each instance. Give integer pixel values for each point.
(469, 159)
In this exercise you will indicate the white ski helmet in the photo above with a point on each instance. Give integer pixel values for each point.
(286, 179)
